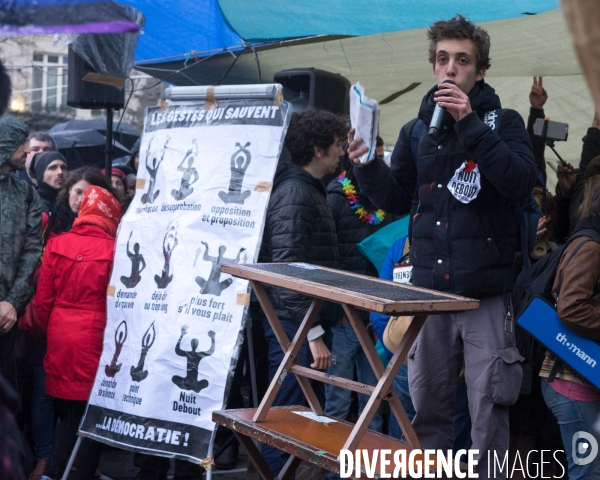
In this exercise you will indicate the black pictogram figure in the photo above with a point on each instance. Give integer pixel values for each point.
(169, 243)
(185, 188)
(138, 373)
(239, 164)
(191, 382)
(151, 195)
(120, 337)
(213, 285)
(137, 259)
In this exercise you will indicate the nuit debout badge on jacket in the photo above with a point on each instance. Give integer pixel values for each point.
(582, 354)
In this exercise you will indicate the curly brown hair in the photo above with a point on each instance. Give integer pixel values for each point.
(461, 29)
(310, 129)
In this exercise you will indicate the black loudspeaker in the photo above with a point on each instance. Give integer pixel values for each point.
(310, 87)
(83, 94)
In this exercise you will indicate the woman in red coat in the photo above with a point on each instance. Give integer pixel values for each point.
(71, 302)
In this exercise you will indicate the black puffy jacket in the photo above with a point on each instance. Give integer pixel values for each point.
(299, 228)
(466, 249)
(351, 231)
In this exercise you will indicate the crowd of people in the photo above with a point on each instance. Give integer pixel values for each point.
(468, 382)
(58, 230)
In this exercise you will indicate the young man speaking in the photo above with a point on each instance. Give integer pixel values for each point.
(465, 236)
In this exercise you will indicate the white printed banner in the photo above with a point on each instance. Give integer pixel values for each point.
(174, 319)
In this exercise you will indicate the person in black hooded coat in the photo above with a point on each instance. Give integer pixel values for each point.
(461, 244)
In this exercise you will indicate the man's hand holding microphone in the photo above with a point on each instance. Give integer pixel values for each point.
(448, 97)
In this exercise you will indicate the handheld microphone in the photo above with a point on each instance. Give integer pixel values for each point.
(436, 119)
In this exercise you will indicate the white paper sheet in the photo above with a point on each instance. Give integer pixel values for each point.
(364, 116)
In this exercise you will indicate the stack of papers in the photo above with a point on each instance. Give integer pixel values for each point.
(364, 116)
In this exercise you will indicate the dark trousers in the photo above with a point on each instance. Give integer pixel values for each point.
(234, 399)
(8, 358)
(70, 413)
(290, 392)
(261, 365)
(487, 344)
(156, 468)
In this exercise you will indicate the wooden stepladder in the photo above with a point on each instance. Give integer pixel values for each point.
(311, 439)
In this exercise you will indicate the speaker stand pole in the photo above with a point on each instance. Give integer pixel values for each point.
(109, 141)
(251, 361)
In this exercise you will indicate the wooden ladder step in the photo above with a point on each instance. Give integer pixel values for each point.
(333, 380)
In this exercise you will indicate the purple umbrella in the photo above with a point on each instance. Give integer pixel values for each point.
(36, 17)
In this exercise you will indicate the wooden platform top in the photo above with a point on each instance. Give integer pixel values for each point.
(361, 291)
(313, 441)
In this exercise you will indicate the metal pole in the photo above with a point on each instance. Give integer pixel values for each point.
(251, 361)
(72, 458)
(252, 364)
(559, 157)
(210, 454)
(109, 141)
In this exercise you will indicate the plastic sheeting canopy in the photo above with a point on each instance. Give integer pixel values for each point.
(109, 54)
(188, 27)
(176, 29)
(274, 19)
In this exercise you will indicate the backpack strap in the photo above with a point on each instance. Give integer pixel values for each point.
(493, 119)
(586, 232)
(524, 245)
(415, 138)
(416, 132)
(571, 258)
(593, 236)
(558, 363)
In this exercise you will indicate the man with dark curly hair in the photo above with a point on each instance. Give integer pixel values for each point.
(463, 186)
(300, 228)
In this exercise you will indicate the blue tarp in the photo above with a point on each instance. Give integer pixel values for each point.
(268, 19)
(175, 29)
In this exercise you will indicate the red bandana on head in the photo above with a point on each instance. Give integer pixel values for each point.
(99, 207)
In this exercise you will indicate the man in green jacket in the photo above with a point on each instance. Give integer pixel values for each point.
(20, 237)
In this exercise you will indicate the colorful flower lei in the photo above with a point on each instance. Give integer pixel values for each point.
(374, 218)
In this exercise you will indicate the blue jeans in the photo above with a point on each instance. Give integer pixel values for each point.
(290, 392)
(574, 416)
(346, 353)
(42, 415)
(462, 418)
(401, 386)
